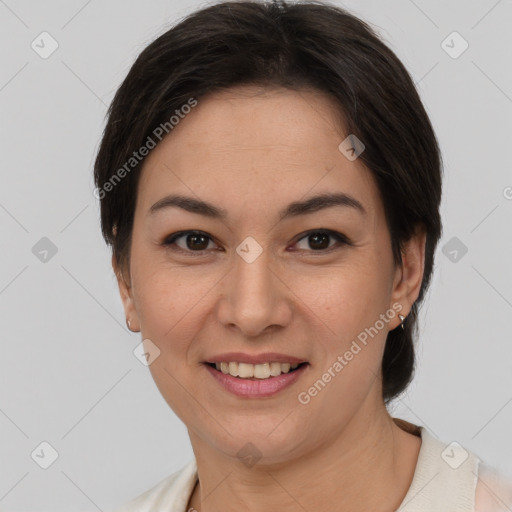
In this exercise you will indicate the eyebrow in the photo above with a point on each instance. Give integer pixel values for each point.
(295, 209)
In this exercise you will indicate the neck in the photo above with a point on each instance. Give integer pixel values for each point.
(372, 462)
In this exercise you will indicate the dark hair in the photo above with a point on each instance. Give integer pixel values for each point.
(305, 45)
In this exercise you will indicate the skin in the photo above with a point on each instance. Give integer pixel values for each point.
(233, 151)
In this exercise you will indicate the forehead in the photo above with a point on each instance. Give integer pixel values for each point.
(251, 146)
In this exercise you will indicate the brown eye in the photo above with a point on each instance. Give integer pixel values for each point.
(191, 241)
(319, 240)
(197, 242)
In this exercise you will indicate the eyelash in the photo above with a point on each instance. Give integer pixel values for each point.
(339, 237)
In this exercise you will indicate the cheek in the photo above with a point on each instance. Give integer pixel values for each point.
(346, 298)
(169, 298)
(344, 307)
(348, 347)
(171, 306)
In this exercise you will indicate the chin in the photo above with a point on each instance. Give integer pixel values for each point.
(266, 444)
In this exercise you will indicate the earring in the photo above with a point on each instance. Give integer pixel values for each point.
(402, 318)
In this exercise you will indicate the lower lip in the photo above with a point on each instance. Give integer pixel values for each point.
(257, 388)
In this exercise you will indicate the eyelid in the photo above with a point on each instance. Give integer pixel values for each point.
(170, 240)
(340, 238)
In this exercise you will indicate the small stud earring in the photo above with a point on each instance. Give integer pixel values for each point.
(402, 318)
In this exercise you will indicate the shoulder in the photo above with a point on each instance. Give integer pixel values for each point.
(171, 493)
(450, 477)
(493, 490)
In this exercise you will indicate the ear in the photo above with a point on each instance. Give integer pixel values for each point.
(409, 275)
(125, 290)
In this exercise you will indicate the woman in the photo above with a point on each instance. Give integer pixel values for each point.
(270, 186)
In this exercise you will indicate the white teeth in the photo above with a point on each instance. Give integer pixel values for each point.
(285, 367)
(245, 370)
(262, 371)
(275, 369)
(233, 369)
(258, 371)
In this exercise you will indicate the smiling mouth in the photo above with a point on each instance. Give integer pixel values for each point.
(255, 371)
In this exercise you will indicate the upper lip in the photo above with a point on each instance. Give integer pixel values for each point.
(267, 357)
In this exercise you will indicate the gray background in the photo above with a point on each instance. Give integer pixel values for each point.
(67, 372)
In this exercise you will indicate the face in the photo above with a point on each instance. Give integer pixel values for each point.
(268, 274)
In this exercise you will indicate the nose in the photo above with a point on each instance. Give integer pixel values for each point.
(254, 298)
